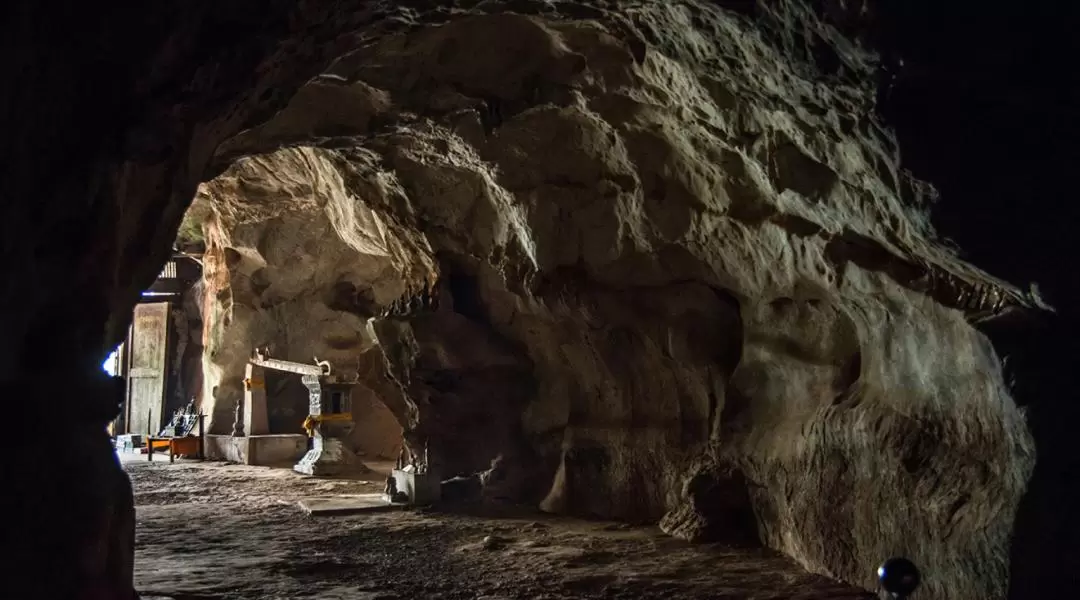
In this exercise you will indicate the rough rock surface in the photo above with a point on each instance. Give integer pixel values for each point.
(656, 262)
(378, 432)
(279, 275)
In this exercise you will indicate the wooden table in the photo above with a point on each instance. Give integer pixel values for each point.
(189, 446)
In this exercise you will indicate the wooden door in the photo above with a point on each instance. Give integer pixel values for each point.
(146, 372)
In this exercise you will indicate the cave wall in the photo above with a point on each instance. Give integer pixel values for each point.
(669, 254)
(982, 106)
(378, 433)
(281, 277)
(185, 368)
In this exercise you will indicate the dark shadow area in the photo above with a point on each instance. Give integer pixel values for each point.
(985, 108)
(287, 402)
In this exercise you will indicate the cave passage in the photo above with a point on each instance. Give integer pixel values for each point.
(583, 299)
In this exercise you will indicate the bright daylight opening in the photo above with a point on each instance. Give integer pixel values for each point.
(112, 363)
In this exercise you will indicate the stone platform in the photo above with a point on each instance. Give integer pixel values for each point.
(270, 449)
(325, 506)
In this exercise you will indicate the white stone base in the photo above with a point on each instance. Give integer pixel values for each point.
(329, 457)
(423, 489)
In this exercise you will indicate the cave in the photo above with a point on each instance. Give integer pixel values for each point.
(775, 290)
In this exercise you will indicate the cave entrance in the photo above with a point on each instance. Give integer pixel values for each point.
(113, 364)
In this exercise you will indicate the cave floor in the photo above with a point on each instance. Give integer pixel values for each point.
(214, 531)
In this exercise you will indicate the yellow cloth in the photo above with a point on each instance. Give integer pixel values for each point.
(313, 421)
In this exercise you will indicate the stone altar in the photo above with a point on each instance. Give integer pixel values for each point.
(329, 424)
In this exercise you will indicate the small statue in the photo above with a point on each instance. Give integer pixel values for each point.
(238, 421)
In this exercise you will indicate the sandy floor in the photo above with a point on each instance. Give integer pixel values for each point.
(211, 531)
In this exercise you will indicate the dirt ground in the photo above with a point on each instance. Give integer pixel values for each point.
(214, 531)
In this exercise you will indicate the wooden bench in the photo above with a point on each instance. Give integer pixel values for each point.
(188, 446)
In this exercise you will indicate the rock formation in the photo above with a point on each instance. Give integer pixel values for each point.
(278, 276)
(691, 279)
(660, 268)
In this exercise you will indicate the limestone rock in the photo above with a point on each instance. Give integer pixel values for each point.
(659, 263)
(716, 506)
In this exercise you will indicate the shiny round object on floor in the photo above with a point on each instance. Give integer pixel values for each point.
(899, 577)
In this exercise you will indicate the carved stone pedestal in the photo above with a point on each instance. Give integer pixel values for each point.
(329, 456)
(330, 423)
